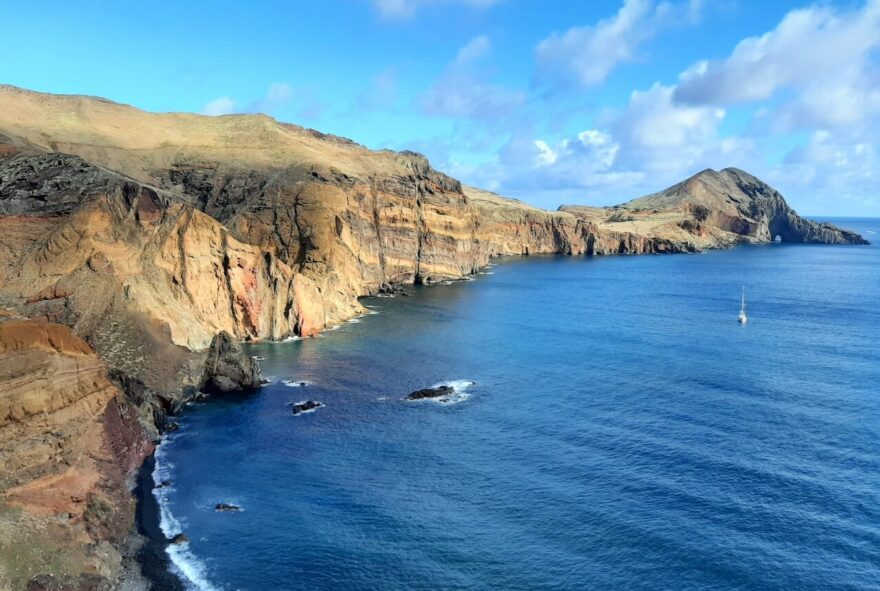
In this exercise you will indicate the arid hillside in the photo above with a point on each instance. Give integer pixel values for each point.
(137, 248)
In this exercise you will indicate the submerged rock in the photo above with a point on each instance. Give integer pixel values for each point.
(393, 289)
(180, 539)
(226, 508)
(228, 369)
(301, 407)
(431, 393)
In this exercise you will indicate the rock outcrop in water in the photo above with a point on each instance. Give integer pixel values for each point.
(437, 392)
(141, 237)
(228, 369)
(306, 406)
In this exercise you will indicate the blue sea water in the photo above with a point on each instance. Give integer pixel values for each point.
(623, 432)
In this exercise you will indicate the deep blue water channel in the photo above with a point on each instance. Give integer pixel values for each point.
(623, 432)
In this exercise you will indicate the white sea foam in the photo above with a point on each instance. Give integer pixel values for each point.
(354, 320)
(191, 569)
(258, 358)
(297, 383)
(290, 339)
(183, 562)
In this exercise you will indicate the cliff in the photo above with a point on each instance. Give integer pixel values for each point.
(68, 440)
(714, 210)
(142, 246)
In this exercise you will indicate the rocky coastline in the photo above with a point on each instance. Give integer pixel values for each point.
(137, 250)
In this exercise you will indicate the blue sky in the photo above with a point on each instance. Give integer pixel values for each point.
(548, 101)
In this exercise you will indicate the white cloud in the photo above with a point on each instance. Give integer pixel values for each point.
(588, 54)
(279, 95)
(545, 155)
(461, 92)
(381, 93)
(472, 51)
(822, 55)
(653, 121)
(279, 92)
(404, 9)
(650, 144)
(219, 106)
(833, 171)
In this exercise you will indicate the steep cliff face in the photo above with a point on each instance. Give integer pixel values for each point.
(153, 236)
(68, 439)
(180, 227)
(714, 210)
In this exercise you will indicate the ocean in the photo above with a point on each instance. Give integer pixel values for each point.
(622, 431)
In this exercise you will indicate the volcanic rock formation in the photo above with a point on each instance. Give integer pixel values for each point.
(147, 237)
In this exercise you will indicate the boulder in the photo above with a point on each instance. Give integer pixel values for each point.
(228, 369)
(226, 508)
(431, 393)
(306, 406)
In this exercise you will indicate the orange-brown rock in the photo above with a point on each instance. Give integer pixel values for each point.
(150, 234)
(67, 442)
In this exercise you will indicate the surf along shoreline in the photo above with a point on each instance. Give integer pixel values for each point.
(151, 553)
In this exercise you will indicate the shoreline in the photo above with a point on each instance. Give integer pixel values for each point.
(151, 556)
(149, 552)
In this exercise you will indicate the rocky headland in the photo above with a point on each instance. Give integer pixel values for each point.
(137, 249)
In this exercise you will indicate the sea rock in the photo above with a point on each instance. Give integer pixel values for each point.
(228, 369)
(226, 508)
(180, 538)
(431, 393)
(301, 407)
(163, 258)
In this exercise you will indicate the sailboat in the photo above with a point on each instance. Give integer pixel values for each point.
(742, 308)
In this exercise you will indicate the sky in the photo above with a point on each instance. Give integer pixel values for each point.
(548, 101)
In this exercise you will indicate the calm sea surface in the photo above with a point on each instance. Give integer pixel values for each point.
(623, 432)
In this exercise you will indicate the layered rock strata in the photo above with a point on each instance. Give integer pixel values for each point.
(68, 441)
(137, 249)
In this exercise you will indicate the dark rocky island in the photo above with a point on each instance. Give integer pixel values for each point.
(437, 392)
(308, 405)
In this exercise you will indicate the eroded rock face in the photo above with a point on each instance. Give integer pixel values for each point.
(68, 439)
(228, 369)
(150, 234)
(711, 209)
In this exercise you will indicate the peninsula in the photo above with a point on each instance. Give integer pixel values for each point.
(137, 249)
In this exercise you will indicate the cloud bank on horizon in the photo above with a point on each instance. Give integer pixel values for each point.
(586, 103)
